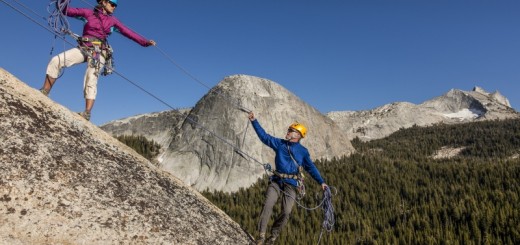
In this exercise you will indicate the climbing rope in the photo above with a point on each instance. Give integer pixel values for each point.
(328, 213)
(57, 21)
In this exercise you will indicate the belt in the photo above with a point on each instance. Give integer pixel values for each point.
(286, 176)
(90, 39)
(93, 41)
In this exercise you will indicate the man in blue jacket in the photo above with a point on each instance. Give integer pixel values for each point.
(291, 157)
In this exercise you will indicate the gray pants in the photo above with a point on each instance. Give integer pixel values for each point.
(288, 194)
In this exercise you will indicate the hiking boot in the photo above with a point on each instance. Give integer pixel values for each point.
(44, 92)
(85, 115)
(261, 239)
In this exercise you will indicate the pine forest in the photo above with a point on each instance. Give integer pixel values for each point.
(148, 149)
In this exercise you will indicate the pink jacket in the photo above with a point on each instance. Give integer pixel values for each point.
(101, 27)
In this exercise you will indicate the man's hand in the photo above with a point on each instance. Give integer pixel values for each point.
(251, 116)
(324, 186)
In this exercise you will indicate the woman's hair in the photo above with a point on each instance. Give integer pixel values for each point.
(99, 5)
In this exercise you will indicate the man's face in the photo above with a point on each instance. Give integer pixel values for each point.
(292, 134)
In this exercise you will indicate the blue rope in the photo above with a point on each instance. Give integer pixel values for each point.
(328, 213)
(57, 20)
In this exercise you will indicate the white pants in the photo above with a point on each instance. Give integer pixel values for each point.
(72, 57)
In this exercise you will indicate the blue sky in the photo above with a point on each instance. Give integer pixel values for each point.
(336, 55)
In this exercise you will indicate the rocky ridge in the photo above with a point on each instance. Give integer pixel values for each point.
(456, 106)
(65, 181)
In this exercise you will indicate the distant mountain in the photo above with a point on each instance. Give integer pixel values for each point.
(456, 106)
(65, 181)
(204, 161)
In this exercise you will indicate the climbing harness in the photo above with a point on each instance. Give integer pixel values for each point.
(93, 49)
(299, 177)
(97, 49)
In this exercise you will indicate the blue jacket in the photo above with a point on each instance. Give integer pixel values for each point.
(283, 161)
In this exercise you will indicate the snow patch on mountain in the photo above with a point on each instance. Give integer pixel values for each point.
(465, 114)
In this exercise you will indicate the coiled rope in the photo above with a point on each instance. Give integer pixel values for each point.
(328, 213)
(57, 20)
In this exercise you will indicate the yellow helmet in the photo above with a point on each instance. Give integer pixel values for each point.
(300, 128)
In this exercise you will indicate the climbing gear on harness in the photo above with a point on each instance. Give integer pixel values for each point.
(85, 115)
(95, 53)
(109, 62)
(300, 128)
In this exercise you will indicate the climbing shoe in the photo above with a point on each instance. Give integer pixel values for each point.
(270, 240)
(261, 239)
(44, 92)
(85, 115)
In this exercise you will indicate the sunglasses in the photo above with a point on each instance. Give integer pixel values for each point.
(112, 4)
(292, 130)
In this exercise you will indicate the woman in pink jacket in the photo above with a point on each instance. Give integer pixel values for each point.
(93, 48)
